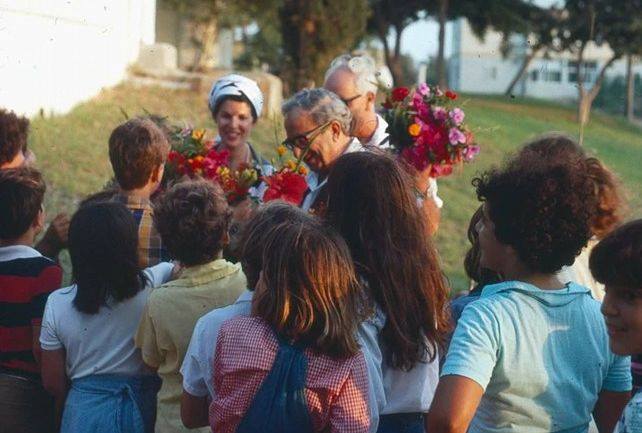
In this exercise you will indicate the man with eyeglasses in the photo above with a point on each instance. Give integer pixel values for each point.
(355, 80)
(318, 125)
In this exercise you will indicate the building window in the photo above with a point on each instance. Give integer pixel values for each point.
(493, 73)
(589, 72)
(552, 76)
(534, 75)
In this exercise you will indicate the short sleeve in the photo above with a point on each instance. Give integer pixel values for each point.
(159, 274)
(474, 346)
(618, 378)
(194, 371)
(146, 338)
(349, 411)
(433, 192)
(49, 339)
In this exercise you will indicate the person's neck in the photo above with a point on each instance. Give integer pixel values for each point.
(143, 193)
(539, 280)
(27, 239)
(238, 155)
(368, 127)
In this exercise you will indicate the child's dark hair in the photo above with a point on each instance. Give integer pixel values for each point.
(13, 135)
(617, 260)
(22, 191)
(136, 148)
(475, 272)
(542, 210)
(372, 204)
(103, 246)
(308, 291)
(192, 219)
(559, 148)
(259, 228)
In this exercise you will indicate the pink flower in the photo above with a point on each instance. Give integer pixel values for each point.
(470, 152)
(440, 113)
(455, 136)
(457, 116)
(423, 89)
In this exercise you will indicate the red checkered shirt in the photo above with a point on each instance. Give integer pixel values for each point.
(336, 391)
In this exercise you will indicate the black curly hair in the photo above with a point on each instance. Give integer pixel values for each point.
(542, 210)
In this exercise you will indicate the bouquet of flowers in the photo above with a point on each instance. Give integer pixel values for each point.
(192, 155)
(288, 182)
(427, 130)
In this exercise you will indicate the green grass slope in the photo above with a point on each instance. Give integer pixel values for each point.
(71, 150)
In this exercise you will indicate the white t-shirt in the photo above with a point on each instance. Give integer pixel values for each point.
(101, 343)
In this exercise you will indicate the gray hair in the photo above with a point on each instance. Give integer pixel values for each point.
(367, 77)
(322, 105)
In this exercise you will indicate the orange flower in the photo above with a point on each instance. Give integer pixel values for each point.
(281, 150)
(198, 134)
(303, 171)
(414, 129)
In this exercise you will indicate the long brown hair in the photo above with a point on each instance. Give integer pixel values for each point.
(558, 148)
(308, 291)
(371, 203)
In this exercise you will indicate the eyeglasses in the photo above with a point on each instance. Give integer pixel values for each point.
(347, 101)
(304, 141)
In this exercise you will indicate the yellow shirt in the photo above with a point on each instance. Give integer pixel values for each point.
(167, 323)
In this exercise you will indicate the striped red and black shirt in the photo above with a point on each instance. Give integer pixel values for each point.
(26, 279)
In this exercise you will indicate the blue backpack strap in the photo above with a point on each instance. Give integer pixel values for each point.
(280, 406)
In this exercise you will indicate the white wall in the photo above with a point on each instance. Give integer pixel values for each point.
(56, 53)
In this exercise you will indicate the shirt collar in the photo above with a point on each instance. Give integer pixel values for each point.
(13, 252)
(246, 296)
(380, 133)
(132, 201)
(205, 273)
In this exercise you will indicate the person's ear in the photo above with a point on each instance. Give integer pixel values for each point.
(225, 240)
(157, 173)
(39, 221)
(337, 131)
(370, 100)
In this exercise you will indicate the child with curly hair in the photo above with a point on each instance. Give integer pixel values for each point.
(611, 204)
(531, 354)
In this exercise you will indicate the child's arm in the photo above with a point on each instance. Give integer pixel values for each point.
(54, 378)
(194, 410)
(608, 409)
(454, 406)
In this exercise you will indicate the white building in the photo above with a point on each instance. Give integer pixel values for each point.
(56, 53)
(479, 67)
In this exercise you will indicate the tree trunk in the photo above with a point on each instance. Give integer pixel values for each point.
(630, 89)
(441, 61)
(525, 63)
(207, 45)
(587, 97)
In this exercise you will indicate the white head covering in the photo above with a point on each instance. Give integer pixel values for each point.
(237, 85)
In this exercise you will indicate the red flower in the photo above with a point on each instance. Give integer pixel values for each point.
(451, 95)
(387, 104)
(285, 185)
(400, 93)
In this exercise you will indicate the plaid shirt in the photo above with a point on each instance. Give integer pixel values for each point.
(336, 390)
(150, 246)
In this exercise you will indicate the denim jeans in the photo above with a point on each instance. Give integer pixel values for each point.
(401, 423)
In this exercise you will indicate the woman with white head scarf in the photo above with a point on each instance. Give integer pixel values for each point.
(235, 103)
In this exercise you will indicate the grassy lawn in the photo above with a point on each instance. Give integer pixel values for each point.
(72, 149)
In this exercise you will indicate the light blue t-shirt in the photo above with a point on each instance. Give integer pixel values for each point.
(542, 357)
